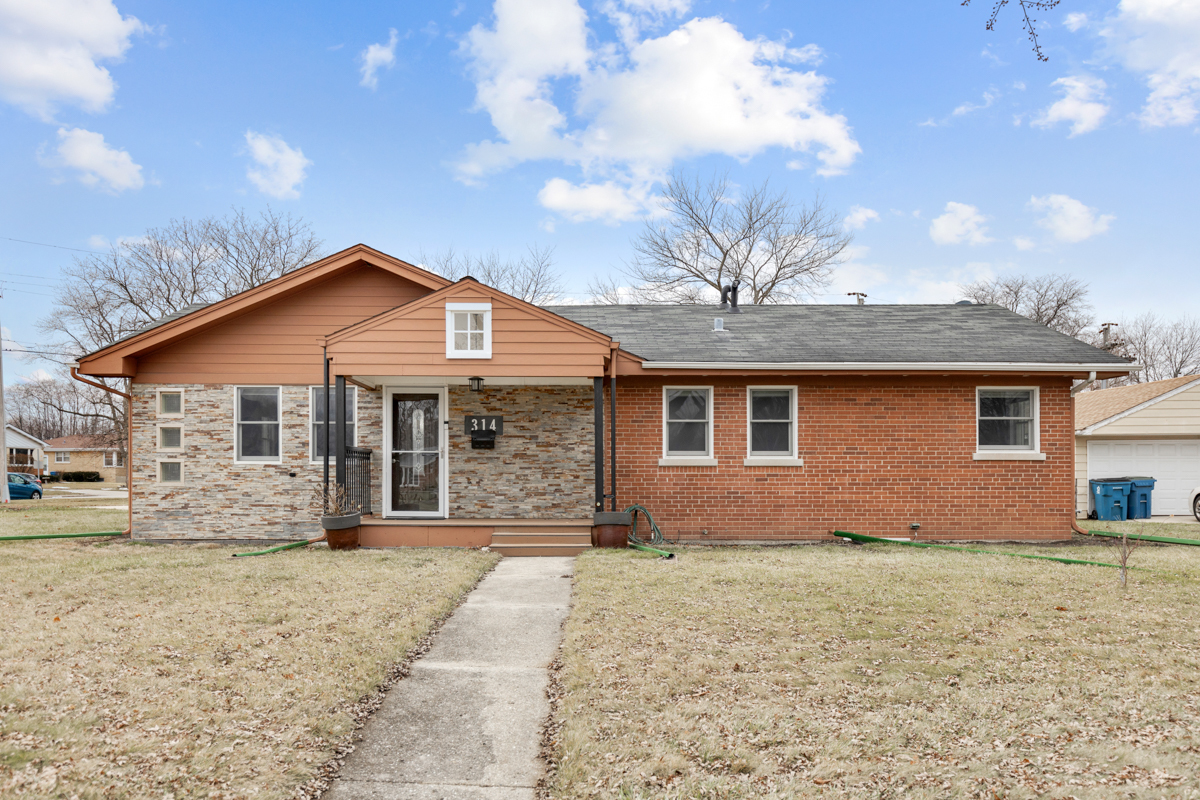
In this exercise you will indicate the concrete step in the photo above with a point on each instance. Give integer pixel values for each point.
(510, 537)
(540, 549)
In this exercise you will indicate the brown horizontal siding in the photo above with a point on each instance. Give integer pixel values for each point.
(279, 342)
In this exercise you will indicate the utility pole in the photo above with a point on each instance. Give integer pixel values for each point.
(3, 421)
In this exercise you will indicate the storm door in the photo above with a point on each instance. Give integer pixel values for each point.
(416, 474)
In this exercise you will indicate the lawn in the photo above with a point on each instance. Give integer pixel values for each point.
(878, 671)
(176, 671)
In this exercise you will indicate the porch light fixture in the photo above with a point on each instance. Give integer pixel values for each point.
(475, 383)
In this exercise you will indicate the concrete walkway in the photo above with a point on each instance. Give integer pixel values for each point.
(466, 723)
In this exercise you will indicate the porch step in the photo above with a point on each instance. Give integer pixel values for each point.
(542, 541)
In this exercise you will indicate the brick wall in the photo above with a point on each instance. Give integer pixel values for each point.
(877, 457)
(87, 461)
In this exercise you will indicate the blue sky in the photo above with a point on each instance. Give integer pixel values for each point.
(952, 152)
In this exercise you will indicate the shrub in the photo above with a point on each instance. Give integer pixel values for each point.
(82, 476)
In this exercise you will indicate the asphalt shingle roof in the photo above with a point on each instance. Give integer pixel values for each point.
(1100, 404)
(836, 333)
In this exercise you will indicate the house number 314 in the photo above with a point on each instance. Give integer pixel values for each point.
(484, 423)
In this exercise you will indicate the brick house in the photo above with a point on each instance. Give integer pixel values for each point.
(85, 453)
(470, 417)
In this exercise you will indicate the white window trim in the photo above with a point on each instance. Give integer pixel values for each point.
(62, 458)
(158, 472)
(115, 456)
(158, 402)
(995, 453)
(158, 442)
(312, 444)
(788, 459)
(237, 420)
(486, 308)
(693, 460)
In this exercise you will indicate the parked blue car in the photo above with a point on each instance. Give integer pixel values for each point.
(21, 488)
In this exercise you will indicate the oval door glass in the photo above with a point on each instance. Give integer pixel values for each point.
(416, 454)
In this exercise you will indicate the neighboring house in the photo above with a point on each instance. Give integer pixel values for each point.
(84, 453)
(789, 422)
(26, 453)
(1150, 429)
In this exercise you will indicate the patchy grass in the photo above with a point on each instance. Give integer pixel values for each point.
(879, 670)
(133, 670)
(30, 517)
(1176, 530)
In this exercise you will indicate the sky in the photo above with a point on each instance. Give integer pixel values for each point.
(951, 152)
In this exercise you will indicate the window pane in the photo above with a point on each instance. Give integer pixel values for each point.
(770, 437)
(170, 471)
(460, 320)
(1006, 404)
(258, 440)
(687, 437)
(170, 403)
(460, 341)
(771, 405)
(687, 404)
(171, 437)
(258, 404)
(318, 404)
(476, 341)
(1005, 433)
(319, 443)
(477, 321)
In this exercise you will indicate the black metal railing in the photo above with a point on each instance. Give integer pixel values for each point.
(358, 478)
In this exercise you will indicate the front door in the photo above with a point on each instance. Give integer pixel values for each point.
(416, 464)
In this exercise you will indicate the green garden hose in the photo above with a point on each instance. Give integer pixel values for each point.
(287, 546)
(1144, 538)
(656, 536)
(858, 537)
(60, 536)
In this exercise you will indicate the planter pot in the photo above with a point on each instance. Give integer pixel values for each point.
(611, 529)
(341, 532)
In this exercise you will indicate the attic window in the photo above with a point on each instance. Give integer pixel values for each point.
(468, 330)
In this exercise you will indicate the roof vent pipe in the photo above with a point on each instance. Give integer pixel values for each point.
(729, 298)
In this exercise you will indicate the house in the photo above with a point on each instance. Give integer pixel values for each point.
(470, 417)
(25, 451)
(1150, 429)
(86, 453)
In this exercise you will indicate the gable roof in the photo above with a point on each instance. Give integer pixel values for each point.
(12, 432)
(1097, 406)
(195, 318)
(948, 335)
(79, 441)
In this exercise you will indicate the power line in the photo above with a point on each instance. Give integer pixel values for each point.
(55, 246)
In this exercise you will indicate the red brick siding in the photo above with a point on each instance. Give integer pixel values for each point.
(877, 457)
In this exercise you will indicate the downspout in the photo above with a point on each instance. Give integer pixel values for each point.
(598, 431)
(612, 418)
(325, 434)
(1077, 389)
(128, 432)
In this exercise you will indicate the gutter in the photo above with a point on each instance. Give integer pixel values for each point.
(128, 432)
(1090, 380)
(892, 366)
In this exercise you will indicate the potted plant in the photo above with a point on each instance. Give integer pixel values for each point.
(339, 518)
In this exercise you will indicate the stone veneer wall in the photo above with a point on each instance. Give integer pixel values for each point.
(541, 468)
(221, 499)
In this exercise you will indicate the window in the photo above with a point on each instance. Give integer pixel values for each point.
(170, 402)
(170, 472)
(316, 406)
(468, 330)
(1007, 419)
(687, 426)
(62, 458)
(771, 426)
(170, 437)
(258, 424)
(113, 459)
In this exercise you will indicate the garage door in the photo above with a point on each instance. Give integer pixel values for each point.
(1175, 463)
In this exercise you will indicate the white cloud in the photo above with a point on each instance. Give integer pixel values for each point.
(929, 286)
(49, 51)
(641, 103)
(377, 57)
(960, 223)
(859, 217)
(99, 165)
(279, 169)
(855, 275)
(1068, 219)
(1076, 20)
(608, 201)
(989, 97)
(1161, 40)
(1024, 243)
(1082, 105)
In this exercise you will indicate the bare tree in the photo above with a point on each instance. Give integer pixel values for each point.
(1165, 349)
(1056, 301)
(607, 291)
(58, 406)
(1030, 23)
(709, 238)
(531, 277)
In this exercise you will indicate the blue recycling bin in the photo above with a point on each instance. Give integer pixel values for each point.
(1140, 489)
(1111, 496)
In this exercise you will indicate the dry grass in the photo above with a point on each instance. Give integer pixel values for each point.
(31, 517)
(876, 671)
(176, 671)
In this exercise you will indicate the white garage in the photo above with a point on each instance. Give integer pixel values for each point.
(1150, 429)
